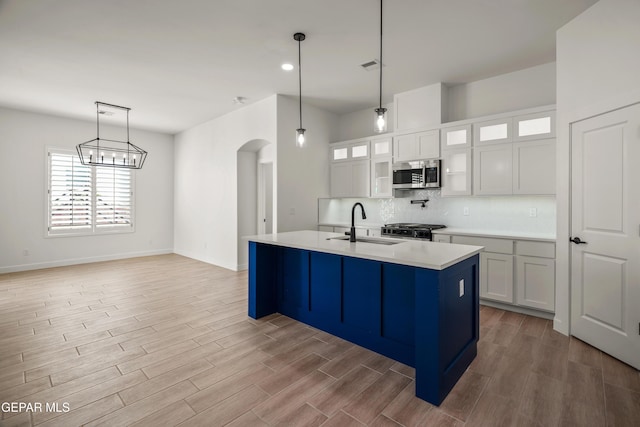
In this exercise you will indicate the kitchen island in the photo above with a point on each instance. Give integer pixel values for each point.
(413, 301)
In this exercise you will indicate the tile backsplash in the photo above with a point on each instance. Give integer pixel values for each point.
(531, 214)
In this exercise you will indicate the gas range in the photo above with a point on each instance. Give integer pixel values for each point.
(410, 230)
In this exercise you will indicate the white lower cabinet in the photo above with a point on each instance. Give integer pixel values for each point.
(496, 276)
(442, 238)
(535, 275)
(517, 272)
(535, 279)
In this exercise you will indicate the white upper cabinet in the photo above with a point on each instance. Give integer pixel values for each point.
(455, 137)
(417, 146)
(456, 172)
(339, 153)
(492, 170)
(355, 150)
(492, 131)
(534, 126)
(360, 150)
(419, 108)
(350, 169)
(534, 167)
(350, 179)
(429, 143)
(381, 173)
(382, 147)
(381, 167)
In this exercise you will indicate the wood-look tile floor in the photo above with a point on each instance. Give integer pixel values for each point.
(165, 340)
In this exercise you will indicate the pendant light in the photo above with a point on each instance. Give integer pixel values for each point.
(300, 138)
(381, 119)
(111, 152)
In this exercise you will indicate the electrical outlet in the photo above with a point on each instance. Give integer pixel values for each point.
(461, 283)
(465, 211)
(25, 252)
(533, 212)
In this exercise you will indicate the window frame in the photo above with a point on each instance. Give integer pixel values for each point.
(93, 229)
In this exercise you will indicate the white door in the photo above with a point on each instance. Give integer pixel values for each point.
(605, 216)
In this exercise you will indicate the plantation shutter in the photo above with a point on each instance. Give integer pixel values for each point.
(87, 199)
(70, 195)
(113, 196)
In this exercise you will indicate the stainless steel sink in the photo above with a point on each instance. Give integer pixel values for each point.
(367, 240)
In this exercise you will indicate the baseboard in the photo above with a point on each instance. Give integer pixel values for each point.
(208, 261)
(518, 309)
(242, 267)
(87, 260)
(559, 326)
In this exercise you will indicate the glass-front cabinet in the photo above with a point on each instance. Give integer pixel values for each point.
(493, 131)
(381, 167)
(381, 147)
(381, 170)
(535, 126)
(456, 172)
(455, 137)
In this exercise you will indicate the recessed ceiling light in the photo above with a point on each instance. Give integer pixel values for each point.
(287, 67)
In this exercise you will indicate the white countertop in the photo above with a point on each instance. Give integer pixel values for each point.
(417, 253)
(516, 235)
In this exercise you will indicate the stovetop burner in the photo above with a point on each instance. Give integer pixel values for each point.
(410, 230)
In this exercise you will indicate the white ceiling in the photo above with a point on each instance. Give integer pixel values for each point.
(178, 63)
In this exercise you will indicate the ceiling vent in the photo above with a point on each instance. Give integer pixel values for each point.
(374, 64)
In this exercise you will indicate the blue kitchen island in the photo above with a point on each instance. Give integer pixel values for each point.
(413, 301)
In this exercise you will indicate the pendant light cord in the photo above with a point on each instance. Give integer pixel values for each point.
(380, 53)
(300, 80)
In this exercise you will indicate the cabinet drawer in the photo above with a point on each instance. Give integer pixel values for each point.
(442, 238)
(501, 246)
(537, 249)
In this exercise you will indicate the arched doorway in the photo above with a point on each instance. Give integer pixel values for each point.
(255, 193)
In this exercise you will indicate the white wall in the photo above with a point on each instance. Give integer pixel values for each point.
(518, 90)
(598, 69)
(531, 87)
(206, 181)
(302, 173)
(24, 137)
(359, 124)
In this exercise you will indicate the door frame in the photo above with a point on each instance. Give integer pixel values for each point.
(262, 196)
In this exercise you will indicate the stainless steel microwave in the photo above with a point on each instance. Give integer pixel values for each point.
(416, 175)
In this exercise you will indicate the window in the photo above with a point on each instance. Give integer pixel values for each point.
(87, 199)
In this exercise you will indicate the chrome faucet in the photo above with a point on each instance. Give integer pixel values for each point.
(352, 235)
